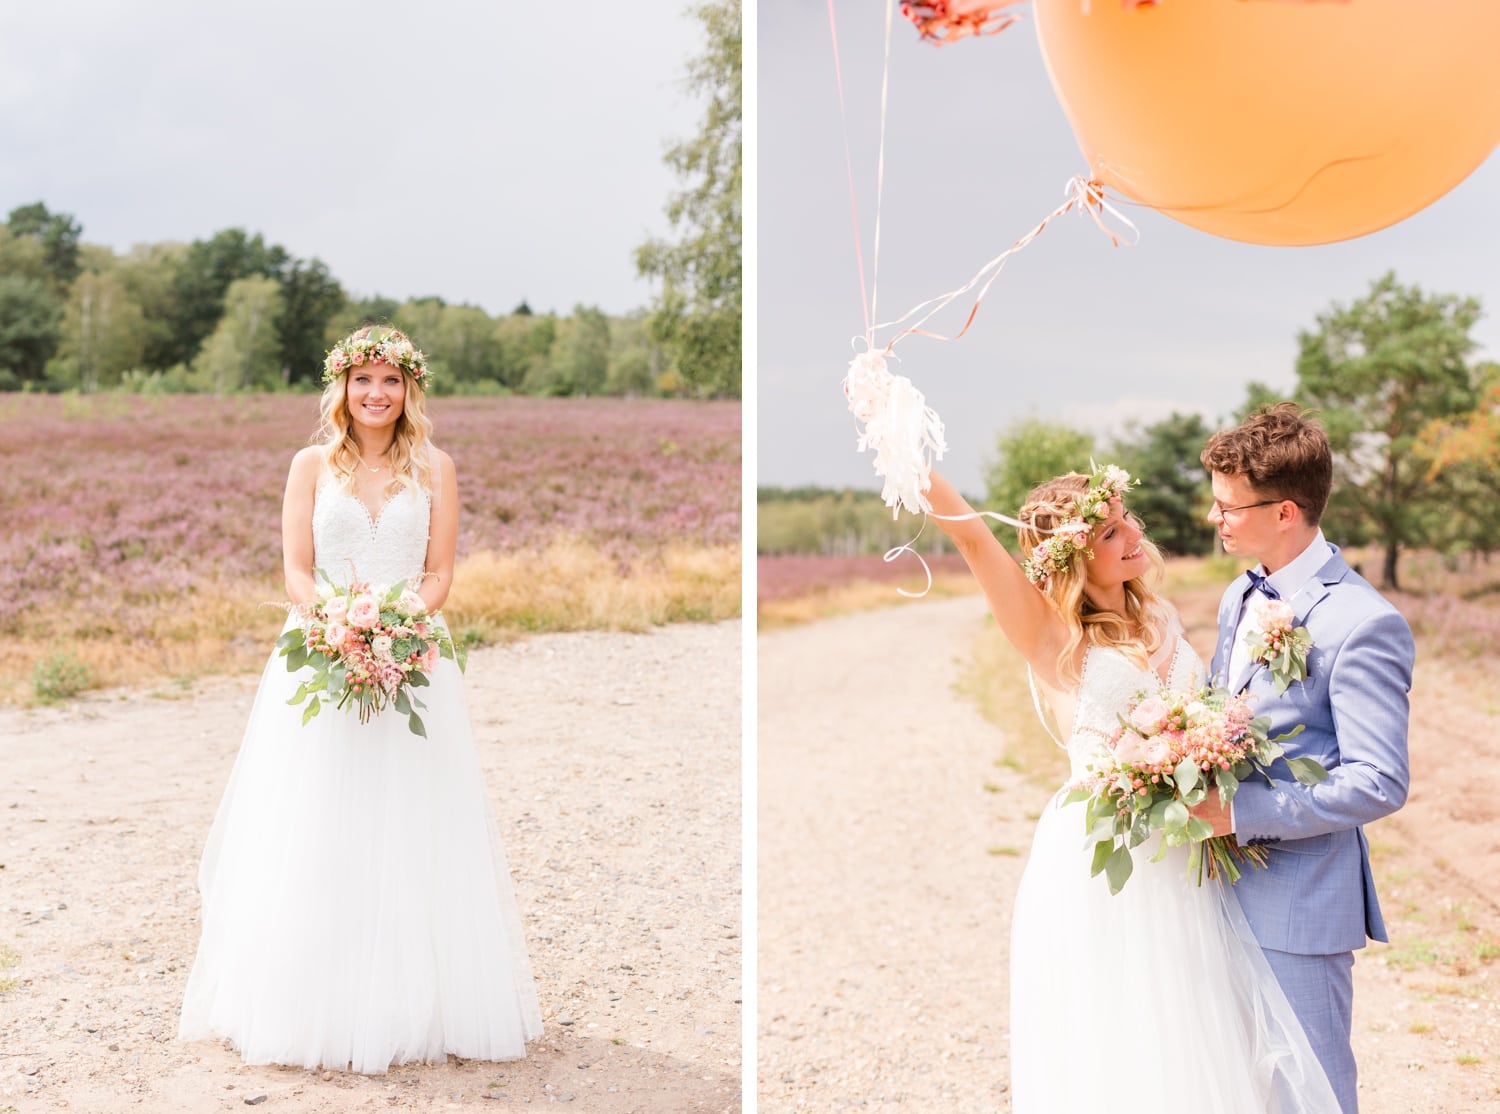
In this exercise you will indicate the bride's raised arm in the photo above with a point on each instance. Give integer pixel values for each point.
(1024, 615)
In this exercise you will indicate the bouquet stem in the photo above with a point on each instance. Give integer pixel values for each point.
(1224, 856)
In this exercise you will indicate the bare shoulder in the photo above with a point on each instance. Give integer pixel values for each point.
(442, 460)
(306, 464)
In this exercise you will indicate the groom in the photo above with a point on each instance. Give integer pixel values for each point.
(1315, 903)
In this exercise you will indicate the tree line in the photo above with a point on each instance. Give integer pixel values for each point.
(1412, 416)
(233, 312)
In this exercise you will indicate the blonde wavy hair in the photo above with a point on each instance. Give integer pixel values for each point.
(1139, 632)
(411, 462)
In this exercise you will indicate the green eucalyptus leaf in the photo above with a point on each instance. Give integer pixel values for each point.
(1308, 771)
(1117, 869)
(1199, 830)
(1102, 852)
(1175, 817)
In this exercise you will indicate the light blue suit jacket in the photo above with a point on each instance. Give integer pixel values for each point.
(1317, 897)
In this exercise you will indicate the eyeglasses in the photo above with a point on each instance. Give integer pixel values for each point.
(1223, 510)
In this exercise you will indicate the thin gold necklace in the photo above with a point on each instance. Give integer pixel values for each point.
(370, 466)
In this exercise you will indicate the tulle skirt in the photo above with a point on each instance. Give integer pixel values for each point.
(357, 907)
(1156, 1000)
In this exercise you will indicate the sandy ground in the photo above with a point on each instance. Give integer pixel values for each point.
(613, 766)
(887, 868)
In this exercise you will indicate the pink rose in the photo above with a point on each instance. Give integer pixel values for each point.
(410, 603)
(1158, 752)
(430, 657)
(337, 609)
(1080, 541)
(1275, 615)
(336, 635)
(364, 612)
(1150, 715)
(1131, 749)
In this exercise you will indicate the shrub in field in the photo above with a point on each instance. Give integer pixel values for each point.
(60, 675)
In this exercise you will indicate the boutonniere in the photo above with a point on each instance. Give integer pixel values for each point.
(1274, 638)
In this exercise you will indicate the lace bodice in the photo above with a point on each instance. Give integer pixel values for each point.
(349, 544)
(1110, 683)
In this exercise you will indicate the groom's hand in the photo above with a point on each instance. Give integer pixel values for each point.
(1215, 812)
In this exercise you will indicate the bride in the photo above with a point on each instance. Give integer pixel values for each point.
(357, 907)
(1157, 999)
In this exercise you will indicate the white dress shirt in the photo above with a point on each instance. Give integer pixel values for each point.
(1288, 580)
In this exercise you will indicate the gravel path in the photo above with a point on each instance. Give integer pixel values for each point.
(613, 766)
(881, 917)
(887, 869)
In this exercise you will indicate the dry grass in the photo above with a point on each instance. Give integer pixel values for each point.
(853, 596)
(217, 627)
(995, 679)
(573, 586)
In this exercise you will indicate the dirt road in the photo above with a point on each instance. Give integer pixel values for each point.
(886, 872)
(613, 766)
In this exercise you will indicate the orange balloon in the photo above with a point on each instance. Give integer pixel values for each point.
(1278, 122)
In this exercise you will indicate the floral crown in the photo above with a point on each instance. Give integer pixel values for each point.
(389, 347)
(1055, 553)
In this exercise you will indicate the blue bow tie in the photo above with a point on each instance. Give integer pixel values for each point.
(1261, 584)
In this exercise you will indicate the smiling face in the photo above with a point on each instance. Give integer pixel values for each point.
(376, 396)
(1249, 528)
(1119, 555)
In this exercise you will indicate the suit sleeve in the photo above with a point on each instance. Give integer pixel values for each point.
(1369, 691)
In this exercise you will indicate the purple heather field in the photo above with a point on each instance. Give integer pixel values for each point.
(122, 501)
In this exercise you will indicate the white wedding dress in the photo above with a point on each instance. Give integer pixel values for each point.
(1156, 1000)
(357, 907)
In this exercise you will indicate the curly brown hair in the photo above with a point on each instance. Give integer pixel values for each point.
(1283, 454)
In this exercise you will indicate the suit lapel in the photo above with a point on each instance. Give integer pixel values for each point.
(1229, 617)
(1314, 592)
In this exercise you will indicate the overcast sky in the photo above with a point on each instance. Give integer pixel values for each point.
(977, 151)
(482, 152)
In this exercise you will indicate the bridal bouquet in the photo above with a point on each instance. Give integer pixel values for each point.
(1170, 751)
(369, 646)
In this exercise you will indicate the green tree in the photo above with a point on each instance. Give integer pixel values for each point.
(697, 313)
(1174, 493)
(57, 233)
(581, 355)
(149, 272)
(513, 348)
(244, 350)
(1257, 395)
(310, 299)
(1380, 370)
(103, 333)
(1027, 452)
(1465, 454)
(202, 283)
(28, 329)
(540, 377)
(634, 359)
(465, 342)
(366, 311)
(22, 256)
